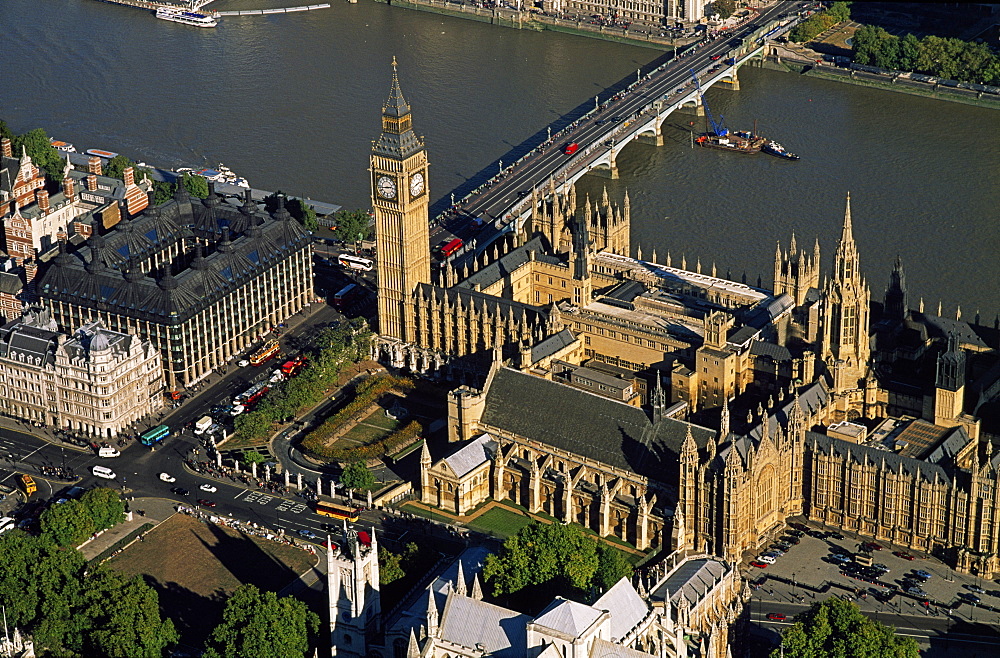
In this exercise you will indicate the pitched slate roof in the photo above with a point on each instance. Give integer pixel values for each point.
(506, 264)
(472, 455)
(468, 622)
(552, 345)
(690, 580)
(626, 607)
(604, 649)
(568, 617)
(581, 422)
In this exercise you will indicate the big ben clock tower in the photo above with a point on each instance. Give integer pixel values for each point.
(399, 197)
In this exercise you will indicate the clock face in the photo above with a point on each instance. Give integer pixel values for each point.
(386, 187)
(416, 184)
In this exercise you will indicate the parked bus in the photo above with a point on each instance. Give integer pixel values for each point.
(154, 435)
(347, 296)
(449, 248)
(264, 354)
(336, 511)
(356, 262)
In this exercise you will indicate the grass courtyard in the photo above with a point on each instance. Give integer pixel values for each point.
(195, 566)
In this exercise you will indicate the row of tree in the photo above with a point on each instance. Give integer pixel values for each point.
(334, 349)
(72, 522)
(951, 59)
(835, 627)
(38, 147)
(820, 22)
(353, 225)
(547, 559)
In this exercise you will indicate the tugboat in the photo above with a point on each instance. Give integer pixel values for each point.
(777, 150)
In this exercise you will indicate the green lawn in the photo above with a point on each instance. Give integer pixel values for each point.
(500, 522)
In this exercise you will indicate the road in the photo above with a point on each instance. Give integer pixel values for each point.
(673, 81)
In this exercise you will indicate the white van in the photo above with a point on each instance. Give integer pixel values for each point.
(108, 452)
(767, 559)
(103, 472)
(202, 424)
(7, 523)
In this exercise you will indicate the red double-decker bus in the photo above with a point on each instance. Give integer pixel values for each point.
(450, 247)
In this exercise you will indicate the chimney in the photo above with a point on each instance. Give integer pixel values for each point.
(43, 200)
(92, 180)
(129, 176)
(68, 189)
(6, 147)
(94, 165)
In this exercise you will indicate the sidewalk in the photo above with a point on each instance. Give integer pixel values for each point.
(157, 510)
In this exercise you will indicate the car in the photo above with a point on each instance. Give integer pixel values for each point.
(916, 591)
(870, 546)
(237, 410)
(842, 559)
(796, 533)
(776, 616)
(903, 554)
(680, 90)
(205, 503)
(970, 597)
(243, 363)
(308, 534)
(716, 57)
(180, 491)
(798, 526)
(759, 565)
(791, 540)
(785, 546)
(523, 193)
(773, 550)
(818, 534)
(167, 477)
(765, 558)
(210, 488)
(834, 535)
(975, 588)
(924, 575)
(881, 567)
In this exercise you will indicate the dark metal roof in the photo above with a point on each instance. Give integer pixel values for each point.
(862, 454)
(111, 272)
(580, 422)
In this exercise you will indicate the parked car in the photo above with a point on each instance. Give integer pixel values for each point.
(790, 540)
(167, 477)
(838, 557)
(765, 558)
(796, 533)
(818, 534)
(970, 597)
(975, 588)
(208, 487)
(881, 567)
(903, 554)
(916, 591)
(834, 535)
(798, 526)
(923, 575)
(759, 565)
(870, 546)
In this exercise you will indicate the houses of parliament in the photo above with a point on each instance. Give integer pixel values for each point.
(672, 408)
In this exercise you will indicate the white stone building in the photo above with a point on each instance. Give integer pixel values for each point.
(96, 381)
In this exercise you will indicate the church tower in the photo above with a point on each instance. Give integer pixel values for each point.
(399, 197)
(353, 589)
(845, 346)
(949, 386)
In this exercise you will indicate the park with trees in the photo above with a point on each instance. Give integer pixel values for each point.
(948, 58)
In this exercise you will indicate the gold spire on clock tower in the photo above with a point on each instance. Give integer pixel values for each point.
(399, 198)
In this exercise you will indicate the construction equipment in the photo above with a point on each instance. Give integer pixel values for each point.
(719, 128)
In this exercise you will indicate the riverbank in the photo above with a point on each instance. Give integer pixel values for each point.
(522, 20)
(804, 62)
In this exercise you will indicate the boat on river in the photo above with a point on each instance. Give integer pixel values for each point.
(777, 150)
(178, 15)
(736, 142)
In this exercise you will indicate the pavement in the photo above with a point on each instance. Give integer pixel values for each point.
(804, 576)
(154, 510)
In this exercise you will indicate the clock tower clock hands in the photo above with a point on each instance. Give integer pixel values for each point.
(400, 203)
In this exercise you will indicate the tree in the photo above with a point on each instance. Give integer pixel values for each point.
(390, 568)
(105, 507)
(357, 477)
(5, 131)
(67, 524)
(124, 616)
(253, 425)
(909, 52)
(840, 11)
(724, 8)
(258, 624)
(835, 627)
(300, 210)
(37, 145)
(163, 191)
(354, 223)
(253, 457)
(195, 185)
(611, 567)
(562, 558)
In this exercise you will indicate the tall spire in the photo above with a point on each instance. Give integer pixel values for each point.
(848, 233)
(396, 105)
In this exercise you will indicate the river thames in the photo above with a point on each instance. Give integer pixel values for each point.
(292, 102)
